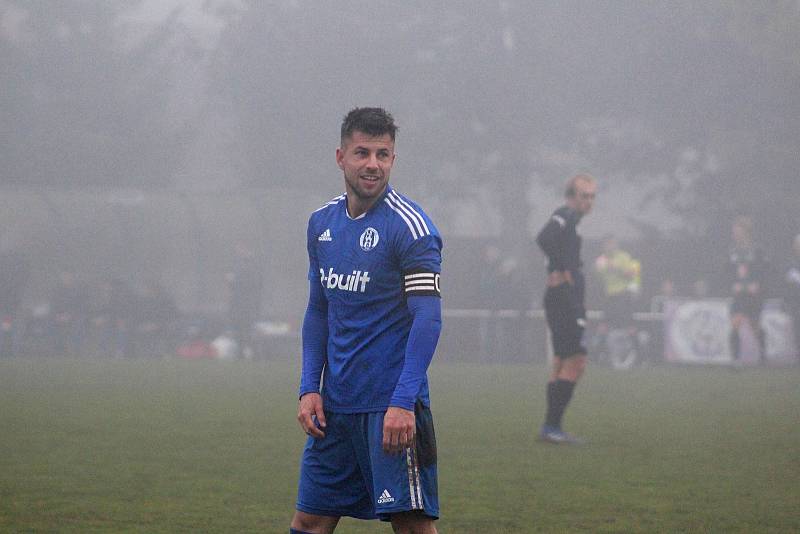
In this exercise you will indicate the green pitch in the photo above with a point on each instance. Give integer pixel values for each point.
(176, 446)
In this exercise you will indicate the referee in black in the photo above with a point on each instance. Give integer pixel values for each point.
(564, 302)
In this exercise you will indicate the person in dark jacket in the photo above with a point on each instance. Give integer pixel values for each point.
(792, 297)
(747, 275)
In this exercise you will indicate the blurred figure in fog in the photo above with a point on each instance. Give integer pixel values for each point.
(101, 331)
(245, 287)
(14, 272)
(658, 304)
(501, 277)
(157, 315)
(700, 289)
(487, 296)
(666, 291)
(513, 329)
(69, 308)
(564, 302)
(621, 275)
(122, 315)
(792, 297)
(747, 271)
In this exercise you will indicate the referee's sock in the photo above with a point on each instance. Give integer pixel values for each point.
(559, 393)
(550, 418)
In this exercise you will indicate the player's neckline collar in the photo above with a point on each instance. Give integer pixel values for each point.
(371, 209)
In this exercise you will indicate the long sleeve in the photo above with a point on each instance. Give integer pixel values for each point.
(551, 242)
(422, 340)
(315, 339)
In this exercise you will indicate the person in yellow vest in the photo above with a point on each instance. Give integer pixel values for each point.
(621, 277)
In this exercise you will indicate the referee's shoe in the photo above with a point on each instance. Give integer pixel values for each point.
(550, 434)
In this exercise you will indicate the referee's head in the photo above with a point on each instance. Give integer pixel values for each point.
(580, 192)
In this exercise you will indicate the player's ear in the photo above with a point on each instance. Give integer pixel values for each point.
(339, 157)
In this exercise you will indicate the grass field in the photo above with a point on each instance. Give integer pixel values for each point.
(178, 446)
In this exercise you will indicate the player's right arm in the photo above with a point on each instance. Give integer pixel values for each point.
(315, 343)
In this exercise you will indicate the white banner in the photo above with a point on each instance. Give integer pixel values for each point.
(698, 331)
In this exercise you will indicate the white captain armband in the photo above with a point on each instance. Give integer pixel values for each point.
(421, 284)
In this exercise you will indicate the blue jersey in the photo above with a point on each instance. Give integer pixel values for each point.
(367, 267)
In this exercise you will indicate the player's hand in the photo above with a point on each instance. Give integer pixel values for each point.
(399, 426)
(557, 278)
(309, 413)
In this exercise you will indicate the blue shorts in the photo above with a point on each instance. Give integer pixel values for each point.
(346, 473)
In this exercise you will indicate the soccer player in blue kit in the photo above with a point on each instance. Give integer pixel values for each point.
(369, 333)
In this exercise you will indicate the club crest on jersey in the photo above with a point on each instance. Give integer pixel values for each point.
(369, 239)
(357, 281)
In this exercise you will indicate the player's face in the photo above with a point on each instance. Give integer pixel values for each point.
(585, 192)
(366, 162)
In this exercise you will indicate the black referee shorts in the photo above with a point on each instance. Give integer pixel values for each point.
(566, 318)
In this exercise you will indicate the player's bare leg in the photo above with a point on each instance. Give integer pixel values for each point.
(313, 524)
(568, 368)
(565, 374)
(413, 523)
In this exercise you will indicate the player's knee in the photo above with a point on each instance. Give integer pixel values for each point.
(573, 369)
(412, 523)
(312, 524)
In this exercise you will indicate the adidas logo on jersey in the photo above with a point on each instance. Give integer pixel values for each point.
(325, 236)
(385, 497)
(352, 282)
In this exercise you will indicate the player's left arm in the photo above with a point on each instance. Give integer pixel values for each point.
(421, 273)
(399, 421)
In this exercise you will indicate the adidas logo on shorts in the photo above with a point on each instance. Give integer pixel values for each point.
(385, 497)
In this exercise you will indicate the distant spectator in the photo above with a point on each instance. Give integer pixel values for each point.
(501, 276)
(488, 297)
(747, 272)
(69, 308)
(245, 286)
(666, 291)
(101, 337)
(792, 297)
(122, 315)
(156, 317)
(621, 275)
(700, 289)
(14, 272)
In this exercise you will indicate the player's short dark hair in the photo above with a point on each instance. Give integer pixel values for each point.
(374, 122)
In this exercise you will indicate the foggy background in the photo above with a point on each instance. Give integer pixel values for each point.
(142, 140)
